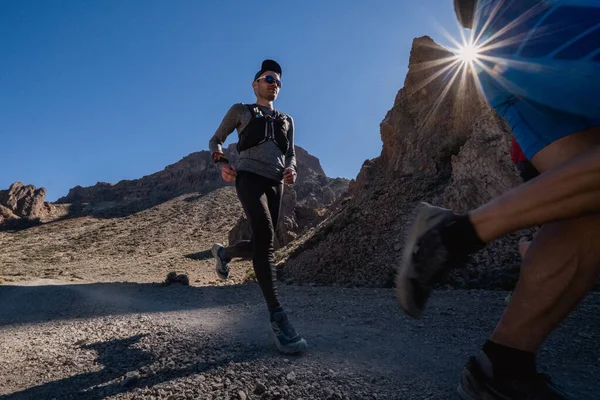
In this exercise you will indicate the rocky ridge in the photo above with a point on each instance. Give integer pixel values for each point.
(304, 204)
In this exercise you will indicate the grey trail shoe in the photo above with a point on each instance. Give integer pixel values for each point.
(222, 266)
(285, 336)
(424, 259)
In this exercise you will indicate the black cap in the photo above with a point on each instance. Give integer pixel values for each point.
(268, 65)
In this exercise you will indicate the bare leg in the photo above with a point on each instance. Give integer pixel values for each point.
(523, 246)
(560, 267)
(569, 187)
(563, 261)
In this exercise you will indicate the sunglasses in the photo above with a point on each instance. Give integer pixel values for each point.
(270, 79)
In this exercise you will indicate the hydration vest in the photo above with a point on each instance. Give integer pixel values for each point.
(264, 127)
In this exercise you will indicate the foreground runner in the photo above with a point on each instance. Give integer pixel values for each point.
(267, 159)
(540, 61)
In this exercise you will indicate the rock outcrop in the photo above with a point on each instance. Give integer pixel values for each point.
(25, 201)
(23, 205)
(441, 144)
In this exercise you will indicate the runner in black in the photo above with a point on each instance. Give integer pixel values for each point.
(267, 160)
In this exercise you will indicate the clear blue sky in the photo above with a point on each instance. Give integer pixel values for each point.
(104, 90)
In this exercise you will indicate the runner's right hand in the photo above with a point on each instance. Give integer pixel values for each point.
(228, 172)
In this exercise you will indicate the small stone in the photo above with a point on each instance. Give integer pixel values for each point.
(260, 389)
(130, 378)
(242, 395)
(291, 376)
(183, 279)
(217, 386)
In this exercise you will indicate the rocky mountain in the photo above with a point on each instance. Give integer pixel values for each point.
(441, 144)
(144, 228)
(196, 173)
(193, 173)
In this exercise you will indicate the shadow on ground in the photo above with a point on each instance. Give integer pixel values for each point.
(45, 302)
(202, 255)
(120, 358)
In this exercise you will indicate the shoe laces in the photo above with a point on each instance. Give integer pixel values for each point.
(284, 324)
(224, 264)
(429, 255)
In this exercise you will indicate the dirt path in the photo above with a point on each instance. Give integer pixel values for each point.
(147, 341)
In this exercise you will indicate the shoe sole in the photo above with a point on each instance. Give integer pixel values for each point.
(299, 347)
(404, 289)
(467, 381)
(215, 252)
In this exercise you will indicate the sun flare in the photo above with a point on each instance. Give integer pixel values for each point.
(468, 53)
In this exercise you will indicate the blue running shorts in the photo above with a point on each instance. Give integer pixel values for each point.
(539, 66)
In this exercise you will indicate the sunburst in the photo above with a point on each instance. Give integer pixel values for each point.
(468, 53)
(471, 55)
